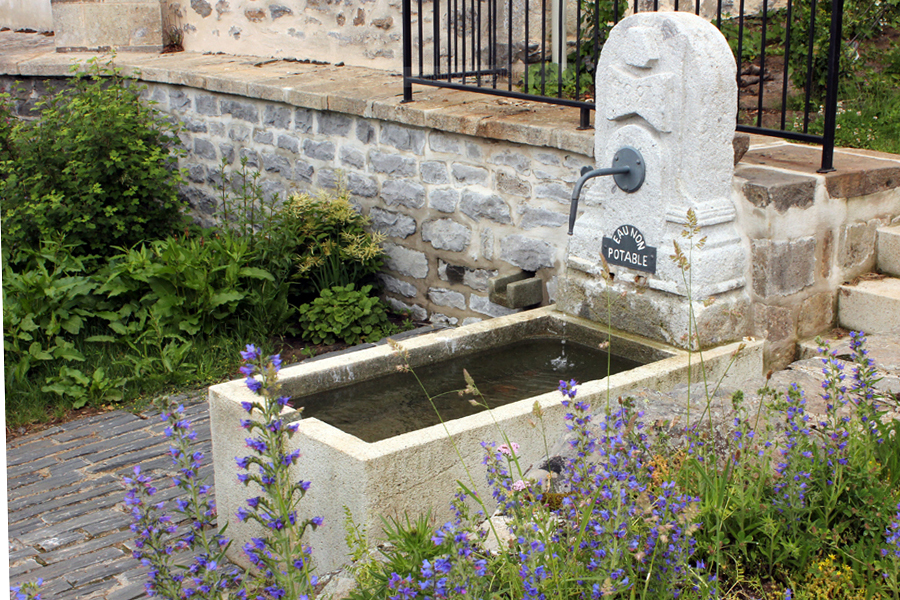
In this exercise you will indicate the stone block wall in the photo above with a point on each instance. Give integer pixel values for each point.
(356, 32)
(808, 233)
(456, 209)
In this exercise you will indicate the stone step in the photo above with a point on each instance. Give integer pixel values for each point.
(888, 248)
(872, 306)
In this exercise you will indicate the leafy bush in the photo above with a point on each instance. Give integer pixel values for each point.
(43, 306)
(343, 313)
(862, 21)
(332, 244)
(188, 285)
(408, 544)
(773, 501)
(97, 167)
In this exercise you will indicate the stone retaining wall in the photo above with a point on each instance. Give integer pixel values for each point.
(808, 234)
(478, 188)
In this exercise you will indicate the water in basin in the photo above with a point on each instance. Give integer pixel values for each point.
(394, 404)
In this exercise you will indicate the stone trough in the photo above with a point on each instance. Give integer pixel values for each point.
(418, 471)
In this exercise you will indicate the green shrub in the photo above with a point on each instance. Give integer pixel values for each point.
(343, 313)
(96, 167)
(862, 21)
(186, 285)
(332, 244)
(44, 306)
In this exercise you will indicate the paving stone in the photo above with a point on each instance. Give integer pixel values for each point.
(99, 572)
(46, 539)
(65, 569)
(82, 508)
(24, 480)
(114, 437)
(130, 445)
(90, 592)
(97, 543)
(51, 588)
(17, 503)
(25, 439)
(17, 527)
(131, 591)
(130, 459)
(50, 483)
(90, 427)
(25, 566)
(53, 502)
(24, 469)
(31, 451)
(21, 554)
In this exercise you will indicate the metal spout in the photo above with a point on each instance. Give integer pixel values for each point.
(628, 169)
(576, 193)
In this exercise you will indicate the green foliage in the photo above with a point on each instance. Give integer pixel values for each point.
(869, 114)
(247, 213)
(332, 244)
(863, 20)
(74, 385)
(777, 498)
(408, 543)
(188, 285)
(343, 313)
(97, 167)
(543, 80)
(43, 307)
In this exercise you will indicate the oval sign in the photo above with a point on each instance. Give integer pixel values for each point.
(628, 248)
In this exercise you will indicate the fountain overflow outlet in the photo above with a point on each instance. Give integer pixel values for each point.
(627, 171)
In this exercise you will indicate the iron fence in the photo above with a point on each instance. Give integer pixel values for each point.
(787, 52)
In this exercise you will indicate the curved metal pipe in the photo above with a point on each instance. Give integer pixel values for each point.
(573, 211)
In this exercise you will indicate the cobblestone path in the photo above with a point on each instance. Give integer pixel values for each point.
(67, 521)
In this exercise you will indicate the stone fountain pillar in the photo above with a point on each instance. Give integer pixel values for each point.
(666, 87)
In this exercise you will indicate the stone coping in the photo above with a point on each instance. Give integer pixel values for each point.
(776, 171)
(359, 91)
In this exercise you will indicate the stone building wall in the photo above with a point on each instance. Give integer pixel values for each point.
(456, 209)
(26, 14)
(356, 32)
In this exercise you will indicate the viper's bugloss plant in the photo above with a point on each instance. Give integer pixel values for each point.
(282, 560)
(28, 591)
(282, 557)
(159, 539)
(614, 532)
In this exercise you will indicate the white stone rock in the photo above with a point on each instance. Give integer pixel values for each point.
(446, 234)
(671, 94)
(411, 263)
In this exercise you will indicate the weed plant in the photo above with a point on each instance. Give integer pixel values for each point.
(281, 558)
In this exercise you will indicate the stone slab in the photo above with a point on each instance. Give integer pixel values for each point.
(870, 306)
(856, 173)
(888, 250)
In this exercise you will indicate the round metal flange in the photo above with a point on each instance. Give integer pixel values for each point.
(629, 157)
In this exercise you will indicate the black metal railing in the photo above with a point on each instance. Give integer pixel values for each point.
(507, 48)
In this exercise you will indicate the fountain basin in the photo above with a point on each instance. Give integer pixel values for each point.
(417, 471)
